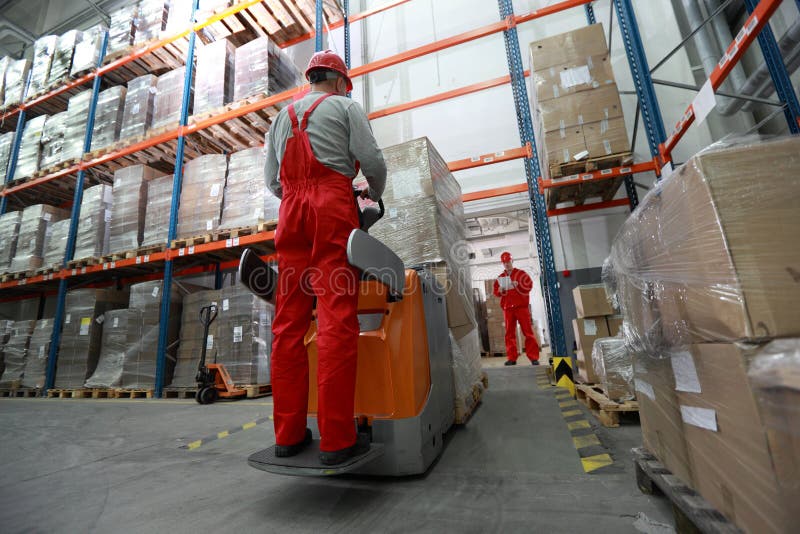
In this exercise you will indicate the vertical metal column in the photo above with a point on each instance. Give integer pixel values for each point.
(80, 179)
(347, 33)
(590, 18)
(166, 290)
(12, 162)
(318, 28)
(532, 172)
(778, 72)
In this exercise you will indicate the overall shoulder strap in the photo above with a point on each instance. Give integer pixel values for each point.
(311, 109)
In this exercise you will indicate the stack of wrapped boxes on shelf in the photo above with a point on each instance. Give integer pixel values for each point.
(4, 61)
(121, 29)
(34, 229)
(108, 117)
(262, 68)
(191, 337)
(16, 76)
(6, 328)
(596, 319)
(43, 50)
(30, 148)
(9, 232)
(6, 141)
(128, 209)
(87, 50)
(138, 112)
(157, 212)
(201, 195)
(244, 332)
(705, 274)
(577, 112)
(425, 225)
(168, 99)
(52, 140)
(151, 18)
(214, 76)
(75, 125)
(15, 353)
(38, 351)
(612, 364)
(91, 240)
(66, 46)
(56, 243)
(82, 333)
(246, 200)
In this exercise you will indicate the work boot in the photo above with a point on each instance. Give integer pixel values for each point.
(534, 362)
(360, 447)
(284, 451)
(510, 362)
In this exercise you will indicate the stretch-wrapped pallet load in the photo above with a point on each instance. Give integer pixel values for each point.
(159, 202)
(613, 365)
(16, 77)
(121, 29)
(168, 100)
(262, 68)
(201, 195)
(577, 112)
(88, 50)
(191, 337)
(214, 76)
(108, 118)
(38, 351)
(52, 140)
(82, 333)
(30, 148)
(62, 57)
(91, 240)
(9, 232)
(15, 353)
(151, 18)
(6, 328)
(128, 209)
(75, 126)
(56, 243)
(245, 336)
(4, 61)
(6, 141)
(120, 342)
(43, 50)
(138, 113)
(247, 201)
(180, 16)
(33, 231)
(425, 225)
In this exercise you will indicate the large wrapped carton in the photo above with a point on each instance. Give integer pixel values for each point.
(137, 115)
(128, 207)
(62, 57)
(91, 240)
(214, 76)
(169, 98)
(262, 68)
(587, 330)
(613, 365)
(122, 332)
(159, 202)
(6, 329)
(201, 195)
(16, 76)
(43, 50)
(34, 229)
(52, 140)
(75, 124)
(708, 256)
(4, 62)
(151, 18)
(591, 300)
(108, 118)
(245, 336)
(6, 141)
(246, 200)
(55, 245)
(121, 29)
(38, 351)
(15, 352)
(87, 51)
(30, 148)
(191, 337)
(9, 233)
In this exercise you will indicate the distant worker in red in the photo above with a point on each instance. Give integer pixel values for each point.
(315, 149)
(513, 286)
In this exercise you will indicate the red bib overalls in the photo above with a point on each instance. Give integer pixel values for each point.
(317, 214)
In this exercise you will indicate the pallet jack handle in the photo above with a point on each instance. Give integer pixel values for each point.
(207, 316)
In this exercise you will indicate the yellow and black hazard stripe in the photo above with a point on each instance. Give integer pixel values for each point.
(225, 433)
(562, 371)
(594, 457)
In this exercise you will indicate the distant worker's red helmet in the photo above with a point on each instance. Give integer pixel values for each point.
(329, 60)
(505, 257)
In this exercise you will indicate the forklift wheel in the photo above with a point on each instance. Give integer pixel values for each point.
(207, 395)
(198, 395)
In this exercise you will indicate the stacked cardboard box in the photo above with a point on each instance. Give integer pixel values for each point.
(4, 62)
(15, 353)
(201, 195)
(30, 148)
(43, 50)
(62, 57)
(9, 232)
(594, 314)
(138, 112)
(120, 338)
(34, 228)
(6, 328)
(75, 125)
(214, 76)
(38, 351)
(191, 337)
(121, 29)
(159, 200)
(701, 285)
(262, 68)
(128, 209)
(613, 365)
(245, 336)
(151, 18)
(6, 140)
(247, 201)
(168, 98)
(495, 320)
(91, 241)
(108, 119)
(87, 51)
(52, 140)
(56, 243)
(576, 107)
(16, 76)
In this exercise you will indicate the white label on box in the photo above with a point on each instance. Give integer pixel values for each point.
(67, 318)
(556, 92)
(41, 351)
(116, 322)
(590, 327)
(575, 76)
(108, 215)
(155, 292)
(607, 146)
(700, 417)
(135, 109)
(100, 319)
(685, 373)
(85, 323)
(704, 102)
(210, 342)
(209, 224)
(225, 304)
(214, 190)
(47, 216)
(644, 387)
(237, 334)
(262, 317)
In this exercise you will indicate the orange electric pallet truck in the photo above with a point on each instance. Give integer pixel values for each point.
(213, 380)
(404, 386)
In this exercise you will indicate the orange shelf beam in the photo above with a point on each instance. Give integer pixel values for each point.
(589, 207)
(490, 159)
(495, 192)
(550, 10)
(596, 176)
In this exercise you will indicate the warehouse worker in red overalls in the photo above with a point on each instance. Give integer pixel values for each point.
(314, 150)
(513, 286)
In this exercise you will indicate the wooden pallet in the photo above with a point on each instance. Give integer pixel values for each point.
(55, 168)
(495, 354)
(466, 407)
(133, 394)
(192, 241)
(578, 193)
(150, 249)
(54, 268)
(240, 231)
(116, 256)
(606, 410)
(83, 262)
(180, 393)
(20, 392)
(80, 393)
(692, 513)
(17, 275)
(257, 390)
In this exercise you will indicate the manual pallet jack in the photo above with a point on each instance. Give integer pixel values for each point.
(213, 380)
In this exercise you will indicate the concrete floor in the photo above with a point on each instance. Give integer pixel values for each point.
(117, 465)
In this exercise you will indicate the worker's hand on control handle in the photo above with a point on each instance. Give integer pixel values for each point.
(365, 193)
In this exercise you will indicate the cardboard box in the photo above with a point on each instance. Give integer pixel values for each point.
(580, 74)
(586, 372)
(613, 365)
(614, 323)
(728, 449)
(565, 47)
(580, 108)
(591, 301)
(606, 137)
(587, 329)
(562, 146)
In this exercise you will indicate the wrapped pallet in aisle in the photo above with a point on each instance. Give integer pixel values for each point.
(262, 68)
(201, 195)
(138, 111)
(121, 29)
(62, 57)
(191, 337)
(16, 77)
(52, 140)
(82, 333)
(91, 241)
(6, 328)
(6, 141)
(9, 232)
(15, 352)
(88, 50)
(159, 201)
(108, 117)
(75, 126)
(244, 331)
(43, 50)
(120, 339)
(33, 231)
(214, 76)
(128, 207)
(38, 351)
(169, 98)
(151, 18)
(247, 201)
(613, 365)
(56, 243)
(30, 148)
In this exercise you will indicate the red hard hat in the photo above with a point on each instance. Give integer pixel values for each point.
(329, 60)
(505, 257)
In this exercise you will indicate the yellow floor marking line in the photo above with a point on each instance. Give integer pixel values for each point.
(580, 423)
(225, 433)
(593, 463)
(582, 442)
(584, 439)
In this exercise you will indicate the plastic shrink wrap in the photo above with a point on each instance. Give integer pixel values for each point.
(201, 195)
(4, 61)
(82, 332)
(191, 337)
(128, 208)
(180, 15)
(87, 51)
(613, 365)
(62, 58)
(108, 117)
(43, 50)
(262, 68)
(38, 351)
(151, 18)
(30, 148)
(6, 328)
(56, 243)
(91, 241)
(122, 333)
(15, 352)
(699, 260)
(247, 201)
(75, 126)
(138, 111)
(52, 140)
(213, 76)
(6, 141)
(168, 99)
(16, 77)
(121, 29)
(245, 336)
(9, 232)
(159, 201)
(34, 229)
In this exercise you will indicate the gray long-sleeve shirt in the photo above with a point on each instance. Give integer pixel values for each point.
(340, 135)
